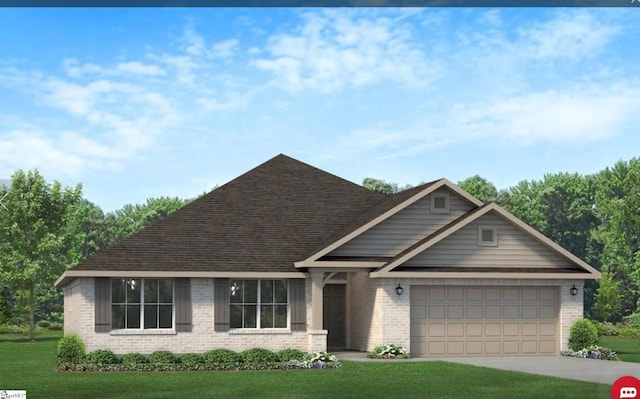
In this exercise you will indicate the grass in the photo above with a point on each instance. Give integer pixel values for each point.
(628, 349)
(31, 366)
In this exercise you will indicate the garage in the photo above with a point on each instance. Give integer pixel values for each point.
(484, 321)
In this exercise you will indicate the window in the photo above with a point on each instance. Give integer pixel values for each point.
(258, 303)
(487, 236)
(439, 203)
(141, 303)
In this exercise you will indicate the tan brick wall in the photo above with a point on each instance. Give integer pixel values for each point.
(79, 319)
(363, 327)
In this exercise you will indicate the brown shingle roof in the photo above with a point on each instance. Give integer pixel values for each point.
(264, 220)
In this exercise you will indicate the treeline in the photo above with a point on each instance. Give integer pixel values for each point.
(596, 217)
(46, 228)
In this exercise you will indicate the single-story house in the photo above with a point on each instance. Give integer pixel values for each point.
(290, 256)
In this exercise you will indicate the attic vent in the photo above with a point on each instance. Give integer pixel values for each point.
(439, 203)
(488, 236)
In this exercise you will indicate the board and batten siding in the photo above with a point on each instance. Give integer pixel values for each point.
(515, 249)
(405, 228)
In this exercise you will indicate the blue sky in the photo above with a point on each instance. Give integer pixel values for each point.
(137, 103)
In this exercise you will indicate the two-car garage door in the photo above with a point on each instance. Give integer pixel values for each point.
(484, 321)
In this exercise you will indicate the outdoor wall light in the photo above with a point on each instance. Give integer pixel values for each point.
(399, 289)
(573, 290)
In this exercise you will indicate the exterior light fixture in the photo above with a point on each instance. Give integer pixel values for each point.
(399, 289)
(573, 290)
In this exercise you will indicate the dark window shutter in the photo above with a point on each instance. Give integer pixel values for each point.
(221, 304)
(103, 304)
(298, 304)
(182, 303)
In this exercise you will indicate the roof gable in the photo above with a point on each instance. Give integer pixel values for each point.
(560, 258)
(383, 211)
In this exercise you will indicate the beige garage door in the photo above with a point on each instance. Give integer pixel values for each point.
(484, 321)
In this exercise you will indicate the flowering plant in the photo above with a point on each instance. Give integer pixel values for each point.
(390, 351)
(321, 360)
(592, 352)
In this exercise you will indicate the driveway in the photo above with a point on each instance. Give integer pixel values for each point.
(601, 371)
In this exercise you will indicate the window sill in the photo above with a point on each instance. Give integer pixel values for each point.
(254, 331)
(143, 332)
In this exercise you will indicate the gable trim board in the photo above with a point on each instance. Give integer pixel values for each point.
(430, 188)
(265, 223)
(588, 272)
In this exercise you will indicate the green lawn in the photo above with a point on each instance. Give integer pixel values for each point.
(628, 349)
(31, 366)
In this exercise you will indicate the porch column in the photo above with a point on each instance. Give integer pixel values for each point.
(317, 284)
(316, 335)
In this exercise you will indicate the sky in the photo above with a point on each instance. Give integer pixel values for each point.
(138, 103)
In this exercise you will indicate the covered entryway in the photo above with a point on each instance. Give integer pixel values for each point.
(484, 321)
(334, 315)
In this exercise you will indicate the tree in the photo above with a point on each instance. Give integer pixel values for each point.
(607, 300)
(133, 218)
(480, 188)
(36, 244)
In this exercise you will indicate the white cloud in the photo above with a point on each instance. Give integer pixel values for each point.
(571, 35)
(336, 49)
(140, 68)
(224, 49)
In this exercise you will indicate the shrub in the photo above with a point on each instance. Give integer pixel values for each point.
(101, 356)
(55, 327)
(134, 358)
(633, 320)
(582, 334)
(290, 354)
(164, 357)
(43, 324)
(12, 329)
(629, 332)
(259, 355)
(191, 359)
(321, 360)
(391, 351)
(222, 356)
(606, 329)
(70, 349)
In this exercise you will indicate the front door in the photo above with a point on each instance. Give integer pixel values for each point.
(334, 315)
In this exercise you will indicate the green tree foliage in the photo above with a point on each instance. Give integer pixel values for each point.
(133, 218)
(618, 208)
(36, 244)
(607, 300)
(480, 188)
(382, 186)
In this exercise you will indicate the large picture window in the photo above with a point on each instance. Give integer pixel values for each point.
(141, 303)
(258, 303)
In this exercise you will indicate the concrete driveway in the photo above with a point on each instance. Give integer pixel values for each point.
(601, 371)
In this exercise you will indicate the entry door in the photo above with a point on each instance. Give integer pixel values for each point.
(334, 315)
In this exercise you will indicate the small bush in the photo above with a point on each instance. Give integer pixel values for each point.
(43, 324)
(222, 356)
(606, 329)
(290, 354)
(164, 357)
(592, 352)
(582, 334)
(259, 355)
(55, 327)
(191, 359)
(134, 358)
(629, 332)
(633, 320)
(12, 329)
(390, 351)
(70, 349)
(101, 356)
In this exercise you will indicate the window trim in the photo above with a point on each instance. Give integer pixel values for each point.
(258, 304)
(142, 305)
(444, 196)
(494, 232)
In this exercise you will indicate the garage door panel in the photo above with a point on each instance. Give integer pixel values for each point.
(437, 330)
(484, 321)
(455, 311)
(436, 312)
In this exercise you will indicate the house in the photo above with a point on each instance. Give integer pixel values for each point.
(290, 256)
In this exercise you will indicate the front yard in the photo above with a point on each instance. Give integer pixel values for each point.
(628, 349)
(31, 366)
